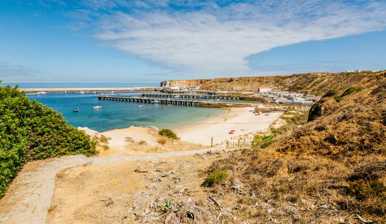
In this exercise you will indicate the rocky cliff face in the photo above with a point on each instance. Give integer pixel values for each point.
(184, 83)
(310, 83)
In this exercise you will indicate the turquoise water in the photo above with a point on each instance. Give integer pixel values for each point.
(121, 115)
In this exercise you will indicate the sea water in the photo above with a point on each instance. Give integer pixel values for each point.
(114, 114)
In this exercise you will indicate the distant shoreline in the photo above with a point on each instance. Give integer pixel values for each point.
(89, 90)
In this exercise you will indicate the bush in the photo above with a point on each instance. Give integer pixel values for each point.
(329, 93)
(215, 177)
(31, 131)
(338, 98)
(350, 90)
(168, 133)
(315, 112)
(262, 141)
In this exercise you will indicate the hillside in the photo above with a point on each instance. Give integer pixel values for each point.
(331, 169)
(31, 131)
(312, 83)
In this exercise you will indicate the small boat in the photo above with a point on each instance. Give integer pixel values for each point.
(76, 109)
(97, 107)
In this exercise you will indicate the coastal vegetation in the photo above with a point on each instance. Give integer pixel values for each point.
(216, 176)
(329, 167)
(31, 131)
(168, 133)
(262, 141)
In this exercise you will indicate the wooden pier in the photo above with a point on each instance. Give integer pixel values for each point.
(168, 99)
(190, 96)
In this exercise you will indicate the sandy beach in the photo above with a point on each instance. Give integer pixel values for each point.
(233, 124)
(141, 140)
(230, 127)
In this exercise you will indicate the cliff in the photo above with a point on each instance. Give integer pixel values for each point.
(309, 83)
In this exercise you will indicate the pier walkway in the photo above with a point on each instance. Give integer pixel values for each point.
(190, 96)
(174, 99)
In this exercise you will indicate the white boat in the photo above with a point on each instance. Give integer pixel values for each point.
(97, 107)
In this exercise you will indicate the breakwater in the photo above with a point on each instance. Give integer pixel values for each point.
(90, 90)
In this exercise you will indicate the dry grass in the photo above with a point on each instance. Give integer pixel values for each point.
(329, 170)
(311, 83)
(102, 143)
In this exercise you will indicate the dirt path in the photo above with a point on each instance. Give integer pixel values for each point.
(29, 197)
(131, 192)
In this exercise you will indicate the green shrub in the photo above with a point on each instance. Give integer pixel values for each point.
(166, 206)
(350, 90)
(31, 131)
(168, 133)
(329, 93)
(215, 177)
(337, 98)
(262, 141)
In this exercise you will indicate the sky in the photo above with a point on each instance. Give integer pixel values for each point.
(148, 40)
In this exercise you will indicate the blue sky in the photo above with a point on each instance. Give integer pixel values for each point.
(143, 40)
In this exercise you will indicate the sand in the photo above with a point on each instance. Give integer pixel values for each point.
(233, 127)
(230, 126)
(140, 140)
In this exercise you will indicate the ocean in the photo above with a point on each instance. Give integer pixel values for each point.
(114, 115)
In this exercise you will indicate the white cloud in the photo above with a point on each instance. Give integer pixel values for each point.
(218, 39)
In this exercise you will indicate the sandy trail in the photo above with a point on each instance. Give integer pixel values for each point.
(29, 196)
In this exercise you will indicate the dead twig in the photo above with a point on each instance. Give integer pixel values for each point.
(140, 171)
(362, 219)
(215, 202)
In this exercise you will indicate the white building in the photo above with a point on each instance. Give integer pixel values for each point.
(264, 90)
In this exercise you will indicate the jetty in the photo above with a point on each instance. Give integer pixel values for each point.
(189, 100)
(90, 90)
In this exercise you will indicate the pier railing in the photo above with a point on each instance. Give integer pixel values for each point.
(177, 100)
(191, 96)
